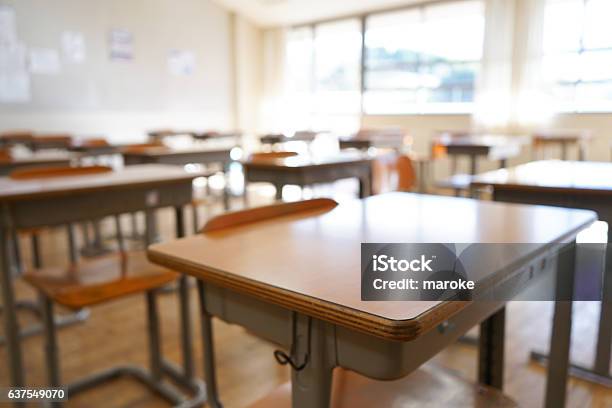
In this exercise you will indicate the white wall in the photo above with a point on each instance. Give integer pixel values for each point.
(248, 68)
(123, 99)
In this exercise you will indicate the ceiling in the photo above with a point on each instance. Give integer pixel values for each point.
(291, 12)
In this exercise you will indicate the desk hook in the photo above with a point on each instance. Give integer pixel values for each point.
(283, 358)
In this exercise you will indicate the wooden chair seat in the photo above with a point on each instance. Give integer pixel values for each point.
(99, 280)
(429, 386)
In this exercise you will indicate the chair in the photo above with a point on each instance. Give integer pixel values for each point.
(87, 283)
(458, 182)
(428, 386)
(398, 166)
(5, 155)
(223, 223)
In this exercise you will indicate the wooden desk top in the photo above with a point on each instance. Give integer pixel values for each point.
(42, 157)
(479, 140)
(311, 262)
(158, 151)
(552, 175)
(567, 136)
(306, 161)
(138, 175)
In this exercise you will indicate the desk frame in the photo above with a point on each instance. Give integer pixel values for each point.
(310, 174)
(576, 198)
(303, 329)
(79, 206)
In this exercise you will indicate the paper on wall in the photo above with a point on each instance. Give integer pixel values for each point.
(181, 63)
(121, 45)
(44, 61)
(8, 25)
(15, 87)
(14, 78)
(73, 47)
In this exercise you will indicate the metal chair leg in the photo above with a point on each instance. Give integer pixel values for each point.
(154, 337)
(51, 352)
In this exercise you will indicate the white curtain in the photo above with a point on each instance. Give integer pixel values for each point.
(511, 94)
(274, 68)
(533, 105)
(494, 88)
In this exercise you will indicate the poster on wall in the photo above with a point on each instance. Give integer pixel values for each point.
(73, 47)
(14, 77)
(44, 61)
(121, 45)
(181, 62)
(8, 25)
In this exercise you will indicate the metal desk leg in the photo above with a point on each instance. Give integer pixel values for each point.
(311, 384)
(226, 187)
(563, 151)
(11, 326)
(423, 176)
(95, 247)
(473, 164)
(209, 352)
(279, 191)
(365, 184)
(581, 151)
(604, 338)
(599, 373)
(491, 350)
(556, 384)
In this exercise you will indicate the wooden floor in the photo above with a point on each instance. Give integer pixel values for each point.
(116, 333)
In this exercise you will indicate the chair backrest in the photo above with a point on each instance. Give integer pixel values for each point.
(251, 215)
(387, 166)
(57, 171)
(406, 176)
(271, 155)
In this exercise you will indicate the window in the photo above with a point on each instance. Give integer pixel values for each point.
(323, 75)
(578, 53)
(299, 51)
(423, 60)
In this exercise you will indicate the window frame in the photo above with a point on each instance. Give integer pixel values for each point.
(435, 108)
(575, 105)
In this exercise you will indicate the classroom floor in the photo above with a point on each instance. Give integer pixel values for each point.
(116, 333)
